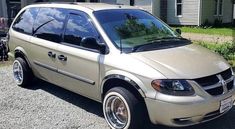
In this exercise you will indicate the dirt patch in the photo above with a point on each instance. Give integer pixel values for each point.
(208, 38)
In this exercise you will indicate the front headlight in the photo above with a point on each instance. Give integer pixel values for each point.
(173, 87)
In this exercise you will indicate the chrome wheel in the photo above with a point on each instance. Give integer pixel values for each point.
(116, 112)
(18, 72)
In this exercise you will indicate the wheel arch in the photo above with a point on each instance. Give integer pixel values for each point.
(133, 84)
(20, 52)
(115, 78)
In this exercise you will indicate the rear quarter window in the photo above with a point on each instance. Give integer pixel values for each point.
(24, 22)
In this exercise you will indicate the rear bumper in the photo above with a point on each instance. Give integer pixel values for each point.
(185, 114)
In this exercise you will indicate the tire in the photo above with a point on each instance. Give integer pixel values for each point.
(133, 109)
(23, 76)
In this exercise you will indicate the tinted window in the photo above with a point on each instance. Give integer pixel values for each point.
(78, 27)
(24, 23)
(49, 24)
(131, 28)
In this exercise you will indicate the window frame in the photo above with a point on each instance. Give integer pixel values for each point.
(20, 16)
(62, 30)
(83, 14)
(176, 8)
(217, 8)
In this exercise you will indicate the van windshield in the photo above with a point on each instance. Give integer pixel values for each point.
(131, 29)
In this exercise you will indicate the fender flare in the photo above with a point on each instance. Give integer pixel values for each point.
(23, 52)
(127, 77)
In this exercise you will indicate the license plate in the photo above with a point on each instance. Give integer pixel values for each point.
(226, 104)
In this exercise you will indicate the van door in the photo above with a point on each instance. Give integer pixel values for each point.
(47, 31)
(78, 66)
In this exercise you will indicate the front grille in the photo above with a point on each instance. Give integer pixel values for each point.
(214, 84)
(216, 91)
(226, 74)
(207, 81)
(230, 85)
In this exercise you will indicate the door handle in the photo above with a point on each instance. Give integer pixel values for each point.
(51, 54)
(62, 58)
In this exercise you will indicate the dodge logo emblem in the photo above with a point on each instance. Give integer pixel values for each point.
(223, 83)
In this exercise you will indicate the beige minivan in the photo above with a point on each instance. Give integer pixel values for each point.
(123, 57)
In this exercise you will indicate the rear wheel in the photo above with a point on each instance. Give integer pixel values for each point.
(22, 73)
(122, 110)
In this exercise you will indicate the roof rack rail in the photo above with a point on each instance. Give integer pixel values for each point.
(55, 3)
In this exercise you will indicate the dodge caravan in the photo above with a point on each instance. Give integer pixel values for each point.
(124, 57)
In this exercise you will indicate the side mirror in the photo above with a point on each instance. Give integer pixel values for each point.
(90, 42)
(178, 31)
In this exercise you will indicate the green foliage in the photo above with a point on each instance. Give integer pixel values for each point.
(218, 22)
(206, 24)
(229, 31)
(133, 28)
(227, 50)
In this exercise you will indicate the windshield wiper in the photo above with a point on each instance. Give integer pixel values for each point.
(181, 38)
(134, 49)
(166, 38)
(157, 41)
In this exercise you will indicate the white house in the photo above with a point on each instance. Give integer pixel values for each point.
(175, 12)
(186, 12)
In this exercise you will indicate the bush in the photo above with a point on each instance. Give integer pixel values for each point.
(227, 50)
(218, 22)
(206, 24)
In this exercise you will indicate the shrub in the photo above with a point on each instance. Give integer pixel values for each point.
(218, 22)
(206, 24)
(227, 50)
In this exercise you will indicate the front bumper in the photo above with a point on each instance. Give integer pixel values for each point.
(179, 114)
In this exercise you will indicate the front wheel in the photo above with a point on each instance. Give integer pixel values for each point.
(122, 110)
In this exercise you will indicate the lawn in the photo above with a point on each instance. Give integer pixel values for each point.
(211, 31)
(227, 50)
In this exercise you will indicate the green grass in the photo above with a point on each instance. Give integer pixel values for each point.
(211, 31)
(227, 50)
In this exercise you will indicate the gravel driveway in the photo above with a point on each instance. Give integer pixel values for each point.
(46, 106)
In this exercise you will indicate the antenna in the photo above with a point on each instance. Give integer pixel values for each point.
(121, 44)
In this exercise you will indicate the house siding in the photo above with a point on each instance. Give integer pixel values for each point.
(228, 11)
(126, 2)
(3, 8)
(190, 12)
(208, 9)
(234, 11)
(156, 10)
(144, 4)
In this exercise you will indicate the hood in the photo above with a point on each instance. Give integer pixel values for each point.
(184, 62)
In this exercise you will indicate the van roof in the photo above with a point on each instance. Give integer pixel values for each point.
(91, 6)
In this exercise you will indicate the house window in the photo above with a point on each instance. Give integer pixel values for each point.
(218, 7)
(132, 2)
(179, 8)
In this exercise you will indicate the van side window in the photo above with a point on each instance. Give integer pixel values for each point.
(24, 22)
(49, 24)
(78, 27)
